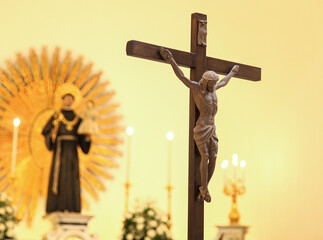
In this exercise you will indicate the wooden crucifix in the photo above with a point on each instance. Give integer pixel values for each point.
(199, 63)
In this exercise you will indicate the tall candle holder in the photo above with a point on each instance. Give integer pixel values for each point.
(16, 123)
(127, 183)
(235, 186)
(169, 187)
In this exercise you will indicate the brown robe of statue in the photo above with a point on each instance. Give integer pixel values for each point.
(67, 196)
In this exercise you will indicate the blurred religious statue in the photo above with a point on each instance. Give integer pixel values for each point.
(89, 115)
(204, 94)
(62, 138)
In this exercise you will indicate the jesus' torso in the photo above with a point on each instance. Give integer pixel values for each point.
(207, 104)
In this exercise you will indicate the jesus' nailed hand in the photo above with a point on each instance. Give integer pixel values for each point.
(204, 94)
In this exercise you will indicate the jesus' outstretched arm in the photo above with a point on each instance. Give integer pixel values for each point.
(227, 78)
(167, 55)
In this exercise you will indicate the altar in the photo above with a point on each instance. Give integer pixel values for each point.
(231, 232)
(69, 226)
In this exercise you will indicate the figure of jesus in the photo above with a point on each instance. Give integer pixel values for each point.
(89, 124)
(204, 94)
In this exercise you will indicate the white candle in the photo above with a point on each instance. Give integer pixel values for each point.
(127, 184)
(16, 123)
(243, 165)
(224, 166)
(235, 166)
(129, 133)
(170, 137)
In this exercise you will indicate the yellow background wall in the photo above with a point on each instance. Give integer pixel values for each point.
(275, 124)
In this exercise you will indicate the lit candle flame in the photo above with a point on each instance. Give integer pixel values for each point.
(130, 130)
(243, 163)
(16, 122)
(225, 164)
(170, 136)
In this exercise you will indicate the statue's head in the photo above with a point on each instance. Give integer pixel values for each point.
(68, 95)
(209, 80)
(68, 99)
(90, 104)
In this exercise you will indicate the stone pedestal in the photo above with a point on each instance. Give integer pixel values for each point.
(68, 226)
(231, 232)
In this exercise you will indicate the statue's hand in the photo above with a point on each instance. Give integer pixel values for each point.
(166, 54)
(88, 137)
(54, 131)
(235, 69)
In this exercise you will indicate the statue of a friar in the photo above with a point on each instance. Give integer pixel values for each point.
(204, 94)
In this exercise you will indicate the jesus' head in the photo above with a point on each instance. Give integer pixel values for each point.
(209, 80)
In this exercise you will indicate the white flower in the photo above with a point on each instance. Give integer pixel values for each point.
(169, 234)
(3, 197)
(164, 226)
(140, 226)
(129, 236)
(153, 223)
(160, 230)
(147, 238)
(164, 218)
(2, 211)
(10, 233)
(151, 233)
(150, 213)
(140, 219)
(2, 227)
(128, 215)
(10, 224)
(9, 209)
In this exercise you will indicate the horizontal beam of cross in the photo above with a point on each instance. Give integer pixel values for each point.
(187, 59)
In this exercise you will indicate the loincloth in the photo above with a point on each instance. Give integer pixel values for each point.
(202, 134)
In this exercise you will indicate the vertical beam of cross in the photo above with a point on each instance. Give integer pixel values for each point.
(195, 207)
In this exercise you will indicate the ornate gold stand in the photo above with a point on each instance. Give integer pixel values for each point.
(233, 189)
(169, 213)
(127, 187)
(12, 185)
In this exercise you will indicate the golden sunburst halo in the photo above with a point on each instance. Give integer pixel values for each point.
(27, 91)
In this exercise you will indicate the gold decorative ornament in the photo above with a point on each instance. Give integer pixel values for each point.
(69, 124)
(28, 89)
(233, 189)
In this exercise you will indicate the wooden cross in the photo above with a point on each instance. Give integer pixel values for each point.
(198, 62)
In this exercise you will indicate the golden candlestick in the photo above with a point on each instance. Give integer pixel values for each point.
(12, 185)
(169, 211)
(127, 184)
(169, 187)
(127, 187)
(234, 189)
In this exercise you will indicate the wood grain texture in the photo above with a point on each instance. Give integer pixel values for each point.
(223, 67)
(188, 59)
(151, 52)
(195, 207)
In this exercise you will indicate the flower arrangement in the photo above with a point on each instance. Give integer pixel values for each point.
(145, 224)
(7, 218)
